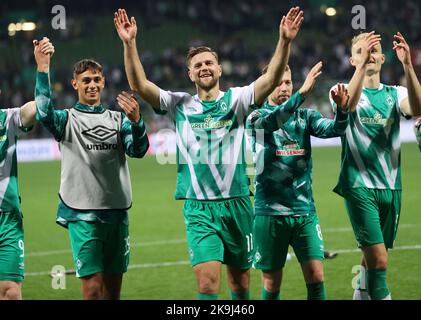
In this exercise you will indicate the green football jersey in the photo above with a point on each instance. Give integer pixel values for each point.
(210, 143)
(371, 145)
(282, 155)
(10, 128)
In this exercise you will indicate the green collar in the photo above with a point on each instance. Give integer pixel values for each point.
(91, 109)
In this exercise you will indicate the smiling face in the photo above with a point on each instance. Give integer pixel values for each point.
(89, 85)
(376, 58)
(204, 70)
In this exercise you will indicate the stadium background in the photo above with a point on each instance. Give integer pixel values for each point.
(244, 33)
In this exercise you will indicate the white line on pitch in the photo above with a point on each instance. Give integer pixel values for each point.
(179, 241)
(185, 262)
(141, 244)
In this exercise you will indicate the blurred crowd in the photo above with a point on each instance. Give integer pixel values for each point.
(246, 33)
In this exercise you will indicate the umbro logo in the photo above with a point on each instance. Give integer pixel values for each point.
(100, 133)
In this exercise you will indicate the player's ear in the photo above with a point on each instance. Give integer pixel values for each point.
(351, 61)
(190, 75)
(73, 83)
(220, 70)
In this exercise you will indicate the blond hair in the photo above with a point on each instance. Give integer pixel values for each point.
(359, 37)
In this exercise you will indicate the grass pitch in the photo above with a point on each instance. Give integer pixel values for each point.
(159, 267)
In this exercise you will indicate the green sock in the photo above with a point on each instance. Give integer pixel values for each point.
(245, 295)
(207, 296)
(316, 291)
(266, 295)
(377, 286)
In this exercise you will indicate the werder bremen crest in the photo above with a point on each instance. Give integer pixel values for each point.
(223, 106)
(390, 101)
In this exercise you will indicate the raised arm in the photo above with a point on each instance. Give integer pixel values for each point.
(355, 86)
(28, 111)
(412, 105)
(272, 120)
(133, 131)
(127, 31)
(53, 120)
(288, 30)
(327, 128)
(310, 80)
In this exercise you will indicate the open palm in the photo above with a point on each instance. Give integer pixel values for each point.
(367, 46)
(402, 49)
(291, 23)
(340, 96)
(126, 29)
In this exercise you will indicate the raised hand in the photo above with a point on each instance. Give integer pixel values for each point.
(402, 49)
(368, 44)
(129, 104)
(43, 51)
(291, 23)
(310, 81)
(340, 96)
(126, 29)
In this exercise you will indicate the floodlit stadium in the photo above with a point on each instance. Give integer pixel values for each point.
(244, 33)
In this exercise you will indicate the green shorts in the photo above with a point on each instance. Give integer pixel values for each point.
(12, 266)
(273, 234)
(220, 231)
(99, 247)
(374, 215)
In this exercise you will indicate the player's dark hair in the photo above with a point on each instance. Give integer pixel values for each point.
(196, 50)
(86, 64)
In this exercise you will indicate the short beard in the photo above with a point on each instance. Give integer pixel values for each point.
(208, 86)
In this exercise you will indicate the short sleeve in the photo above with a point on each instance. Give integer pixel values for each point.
(15, 122)
(168, 101)
(402, 93)
(332, 103)
(242, 98)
